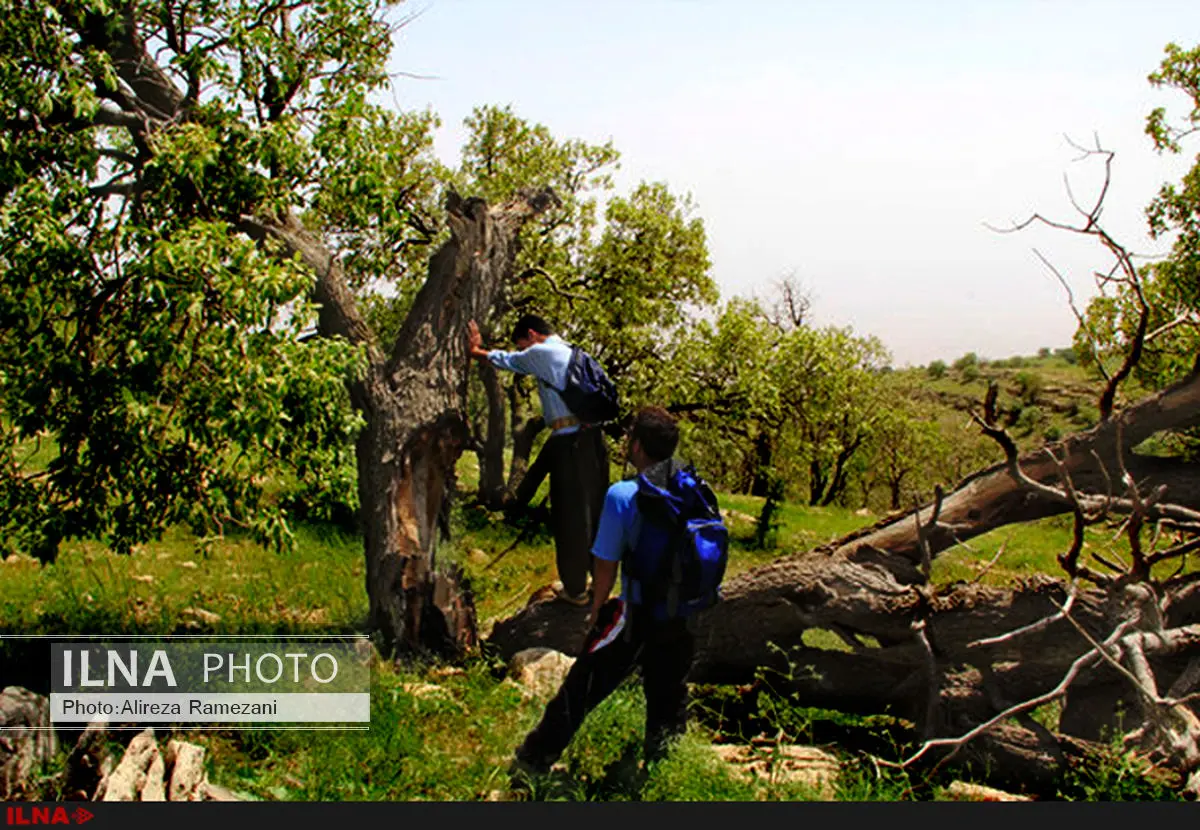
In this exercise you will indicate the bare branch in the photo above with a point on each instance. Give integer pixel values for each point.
(1082, 662)
(991, 562)
(1188, 318)
(570, 297)
(931, 676)
(1034, 627)
(339, 314)
(923, 531)
(1092, 344)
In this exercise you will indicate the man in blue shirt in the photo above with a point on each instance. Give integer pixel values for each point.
(575, 452)
(623, 634)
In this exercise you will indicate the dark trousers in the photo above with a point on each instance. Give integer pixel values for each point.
(578, 468)
(663, 650)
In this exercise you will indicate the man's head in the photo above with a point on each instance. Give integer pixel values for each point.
(652, 437)
(530, 329)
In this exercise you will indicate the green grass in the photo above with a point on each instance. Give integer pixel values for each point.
(455, 742)
(160, 588)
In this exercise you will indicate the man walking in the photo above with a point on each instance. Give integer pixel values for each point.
(624, 633)
(575, 452)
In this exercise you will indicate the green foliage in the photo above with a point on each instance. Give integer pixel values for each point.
(1068, 354)
(1087, 416)
(143, 335)
(621, 285)
(936, 369)
(968, 360)
(793, 401)
(1113, 773)
(1171, 287)
(1029, 419)
(692, 772)
(1029, 386)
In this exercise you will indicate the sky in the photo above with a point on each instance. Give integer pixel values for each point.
(870, 150)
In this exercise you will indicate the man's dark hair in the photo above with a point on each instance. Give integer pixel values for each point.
(655, 429)
(528, 323)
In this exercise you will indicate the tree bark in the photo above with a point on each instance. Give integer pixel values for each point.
(524, 432)
(491, 455)
(414, 402)
(764, 456)
(838, 481)
(414, 405)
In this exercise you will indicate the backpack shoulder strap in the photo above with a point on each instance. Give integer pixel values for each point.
(575, 358)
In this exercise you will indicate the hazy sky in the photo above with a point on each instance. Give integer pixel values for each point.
(861, 146)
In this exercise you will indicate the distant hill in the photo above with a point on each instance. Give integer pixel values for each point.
(1041, 398)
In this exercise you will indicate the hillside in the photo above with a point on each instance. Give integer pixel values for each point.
(1041, 398)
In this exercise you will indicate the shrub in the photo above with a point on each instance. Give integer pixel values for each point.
(936, 369)
(1030, 419)
(1029, 386)
(967, 360)
(1086, 415)
(1068, 354)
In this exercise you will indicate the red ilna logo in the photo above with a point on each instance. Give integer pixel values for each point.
(46, 815)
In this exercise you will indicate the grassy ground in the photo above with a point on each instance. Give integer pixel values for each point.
(1050, 396)
(447, 733)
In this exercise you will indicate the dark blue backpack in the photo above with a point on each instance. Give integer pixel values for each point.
(682, 547)
(589, 393)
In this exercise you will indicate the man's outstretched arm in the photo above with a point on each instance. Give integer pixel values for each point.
(524, 363)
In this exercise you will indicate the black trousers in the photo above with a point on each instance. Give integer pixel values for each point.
(578, 467)
(663, 650)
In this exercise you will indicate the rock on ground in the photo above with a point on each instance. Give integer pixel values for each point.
(783, 764)
(134, 774)
(27, 743)
(540, 670)
(89, 763)
(962, 791)
(187, 778)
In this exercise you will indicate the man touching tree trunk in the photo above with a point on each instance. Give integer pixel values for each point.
(575, 453)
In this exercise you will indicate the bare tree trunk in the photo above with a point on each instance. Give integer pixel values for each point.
(414, 403)
(764, 456)
(525, 432)
(491, 455)
(838, 481)
(894, 483)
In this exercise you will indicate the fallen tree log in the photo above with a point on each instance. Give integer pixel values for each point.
(870, 589)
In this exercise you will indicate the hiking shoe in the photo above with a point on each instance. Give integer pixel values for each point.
(523, 775)
(580, 600)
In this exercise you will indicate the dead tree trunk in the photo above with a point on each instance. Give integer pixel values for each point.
(414, 402)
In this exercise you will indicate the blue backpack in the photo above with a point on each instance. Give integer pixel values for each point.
(589, 393)
(683, 545)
